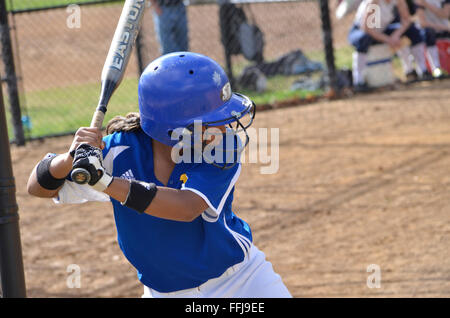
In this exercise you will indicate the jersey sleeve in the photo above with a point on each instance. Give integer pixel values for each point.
(72, 192)
(213, 184)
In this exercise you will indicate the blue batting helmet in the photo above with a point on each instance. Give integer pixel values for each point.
(179, 88)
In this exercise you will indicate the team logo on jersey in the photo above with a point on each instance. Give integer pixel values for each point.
(217, 78)
(128, 175)
(183, 178)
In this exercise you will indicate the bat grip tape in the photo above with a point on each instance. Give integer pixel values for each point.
(99, 116)
(102, 109)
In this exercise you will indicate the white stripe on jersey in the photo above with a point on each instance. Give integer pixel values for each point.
(244, 239)
(209, 217)
(128, 175)
(236, 237)
(230, 186)
(111, 155)
(213, 212)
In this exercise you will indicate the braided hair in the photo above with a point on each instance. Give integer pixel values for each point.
(131, 122)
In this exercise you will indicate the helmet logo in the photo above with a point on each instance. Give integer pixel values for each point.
(217, 79)
(226, 92)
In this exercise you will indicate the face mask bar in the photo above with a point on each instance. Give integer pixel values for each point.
(235, 127)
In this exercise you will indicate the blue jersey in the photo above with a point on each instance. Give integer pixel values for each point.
(173, 255)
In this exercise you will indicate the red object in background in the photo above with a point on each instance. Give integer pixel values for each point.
(443, 46)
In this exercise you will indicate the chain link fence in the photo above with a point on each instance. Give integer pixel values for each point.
(272, 51)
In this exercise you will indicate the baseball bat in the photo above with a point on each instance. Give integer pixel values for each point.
(114, 68)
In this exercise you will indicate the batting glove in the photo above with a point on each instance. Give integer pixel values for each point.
(90, 158)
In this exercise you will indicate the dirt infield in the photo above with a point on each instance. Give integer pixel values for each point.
(361, 181)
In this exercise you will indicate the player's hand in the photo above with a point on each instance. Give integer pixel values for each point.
(87, 135)
(394, 42)
(396, 37)
(90, 158)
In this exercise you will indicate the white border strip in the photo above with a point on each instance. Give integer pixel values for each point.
(236, 237)
(222, 201)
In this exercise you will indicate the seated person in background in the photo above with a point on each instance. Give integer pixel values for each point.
(433, 17)
(375, 23)
(404, 53)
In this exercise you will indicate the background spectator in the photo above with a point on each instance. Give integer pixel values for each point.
(363, 34)
(433, 18)
(170, 19)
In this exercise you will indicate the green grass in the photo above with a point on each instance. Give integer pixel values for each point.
(35, 4)
(342, 56)
(61, 110)
(279, 89)
(65, 109)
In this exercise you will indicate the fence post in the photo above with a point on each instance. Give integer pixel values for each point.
(327, 38)
(11, 263)
(225, 14)
(10, 76)
(229, 69)
(139, 54)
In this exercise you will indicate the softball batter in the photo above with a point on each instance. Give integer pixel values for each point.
(174, 220)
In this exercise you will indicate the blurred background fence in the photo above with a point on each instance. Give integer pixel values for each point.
(59, 48)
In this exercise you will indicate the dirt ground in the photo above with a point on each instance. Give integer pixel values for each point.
(361, 181)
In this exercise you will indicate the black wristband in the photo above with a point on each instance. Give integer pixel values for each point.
(44, 177)
(140, 195)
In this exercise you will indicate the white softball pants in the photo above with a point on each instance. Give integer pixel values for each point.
(252, 278)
